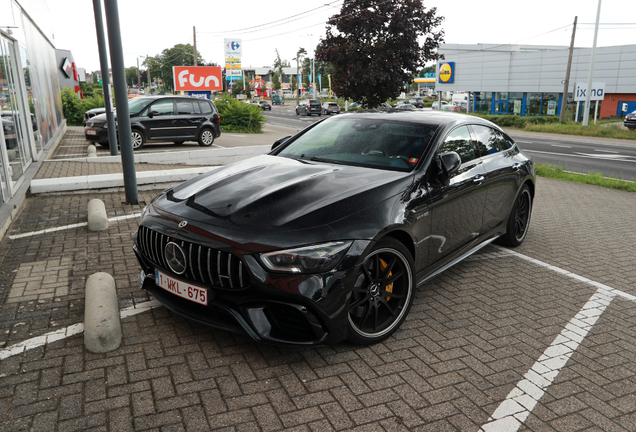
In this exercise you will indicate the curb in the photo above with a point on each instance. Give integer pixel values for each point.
(102, 328)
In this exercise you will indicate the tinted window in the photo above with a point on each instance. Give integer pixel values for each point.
(162, 107)
(489, 140)
(365, 142)
(185, 107)
(460, 142)
(205, 106)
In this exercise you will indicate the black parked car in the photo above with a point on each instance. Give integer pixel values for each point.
(630, 121)
(308, 107)
(326, 237)
(265, 105)
(163, 118)
(92, 113)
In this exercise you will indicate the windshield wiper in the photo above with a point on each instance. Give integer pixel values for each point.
(317, 159)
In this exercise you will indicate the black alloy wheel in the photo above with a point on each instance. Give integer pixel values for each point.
(138, 139)
(382, 293)
(519, 219)
(206, 137)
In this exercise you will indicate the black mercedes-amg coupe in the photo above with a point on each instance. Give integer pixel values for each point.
(326, 237)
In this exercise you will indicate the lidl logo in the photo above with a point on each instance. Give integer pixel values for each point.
(447, 72)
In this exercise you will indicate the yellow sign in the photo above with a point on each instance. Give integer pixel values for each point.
(446, 72)
(232, 65)
(232, 59)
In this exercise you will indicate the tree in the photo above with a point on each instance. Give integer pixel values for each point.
(179, 55)
(276, 78)
(280, 64)
(131, 75)
(373, 47)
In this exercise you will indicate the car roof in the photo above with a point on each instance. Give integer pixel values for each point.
(435, 118)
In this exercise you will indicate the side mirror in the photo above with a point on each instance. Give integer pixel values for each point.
(450, 163)
(151, 114)
(280, 141)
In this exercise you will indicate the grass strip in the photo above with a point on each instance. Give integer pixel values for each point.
(561, 172)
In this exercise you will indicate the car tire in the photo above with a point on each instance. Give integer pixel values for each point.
(138, 139)
(297, 112)
(206, 137)
(179, 142)
(382, 293)
(518, 220)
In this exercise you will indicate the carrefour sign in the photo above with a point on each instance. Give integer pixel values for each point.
(446, 74)
(233, 48)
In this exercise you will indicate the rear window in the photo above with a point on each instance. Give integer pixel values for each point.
(314, 103)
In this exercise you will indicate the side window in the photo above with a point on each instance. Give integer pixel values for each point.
(489, 140)
(184, 107)
(205, 107)
(460, 142)
(162, 108)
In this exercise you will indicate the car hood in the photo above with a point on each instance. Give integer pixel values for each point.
(266, 194)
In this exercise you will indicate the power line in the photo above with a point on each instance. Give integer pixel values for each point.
(260, 27)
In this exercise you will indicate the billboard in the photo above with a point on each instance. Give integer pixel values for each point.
(197, 78)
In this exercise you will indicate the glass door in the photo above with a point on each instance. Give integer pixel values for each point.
(13, 113)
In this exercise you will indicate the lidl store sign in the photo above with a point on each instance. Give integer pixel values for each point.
(446, 74)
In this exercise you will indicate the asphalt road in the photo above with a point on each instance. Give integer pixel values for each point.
(610, 159)
(577, 154)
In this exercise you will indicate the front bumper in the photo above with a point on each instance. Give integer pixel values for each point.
(98, 135)
(275, 308)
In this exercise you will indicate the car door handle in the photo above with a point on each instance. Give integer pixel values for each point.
(478, 179)
(516, 166)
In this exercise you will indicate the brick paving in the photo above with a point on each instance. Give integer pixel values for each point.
(472, 334)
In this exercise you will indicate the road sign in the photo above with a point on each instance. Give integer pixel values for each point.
(233, 48)
(187, 78)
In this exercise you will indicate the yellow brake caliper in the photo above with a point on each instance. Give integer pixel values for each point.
(389, 288)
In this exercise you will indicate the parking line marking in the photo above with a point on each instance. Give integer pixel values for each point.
(69, 331)
(521, 400)
(65, 227)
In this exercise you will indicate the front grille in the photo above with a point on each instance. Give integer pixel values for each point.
(204, 265)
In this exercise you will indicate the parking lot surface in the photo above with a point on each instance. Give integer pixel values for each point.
(537, 338)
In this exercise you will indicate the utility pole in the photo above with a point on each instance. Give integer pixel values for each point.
(138, 78)
(194, 36)
(148, 69)
(566, 85)
(588, 92)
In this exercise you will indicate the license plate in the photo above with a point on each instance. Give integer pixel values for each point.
(182, 289)
(10, 136)
(91, 132)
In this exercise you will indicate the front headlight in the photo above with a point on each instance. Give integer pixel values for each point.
(308, 259)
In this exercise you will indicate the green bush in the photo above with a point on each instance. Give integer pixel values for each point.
(517, 121)
(74, 108)
(240, 117)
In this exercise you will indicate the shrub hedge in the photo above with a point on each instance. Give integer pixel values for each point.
(74, 108)
(517, 121)
(240, 117)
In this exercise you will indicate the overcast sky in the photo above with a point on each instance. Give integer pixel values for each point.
(148, 27)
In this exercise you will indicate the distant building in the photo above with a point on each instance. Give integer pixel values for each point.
(527, 80)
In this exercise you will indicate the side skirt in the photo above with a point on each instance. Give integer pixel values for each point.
(456, 260)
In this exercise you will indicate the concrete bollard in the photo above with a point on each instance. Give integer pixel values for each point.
(102, 329)
(91, 150)
(97, 218)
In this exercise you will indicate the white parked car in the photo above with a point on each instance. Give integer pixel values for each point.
(435, 106)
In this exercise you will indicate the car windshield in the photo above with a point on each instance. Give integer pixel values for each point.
(376, 143)
(137, 104)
